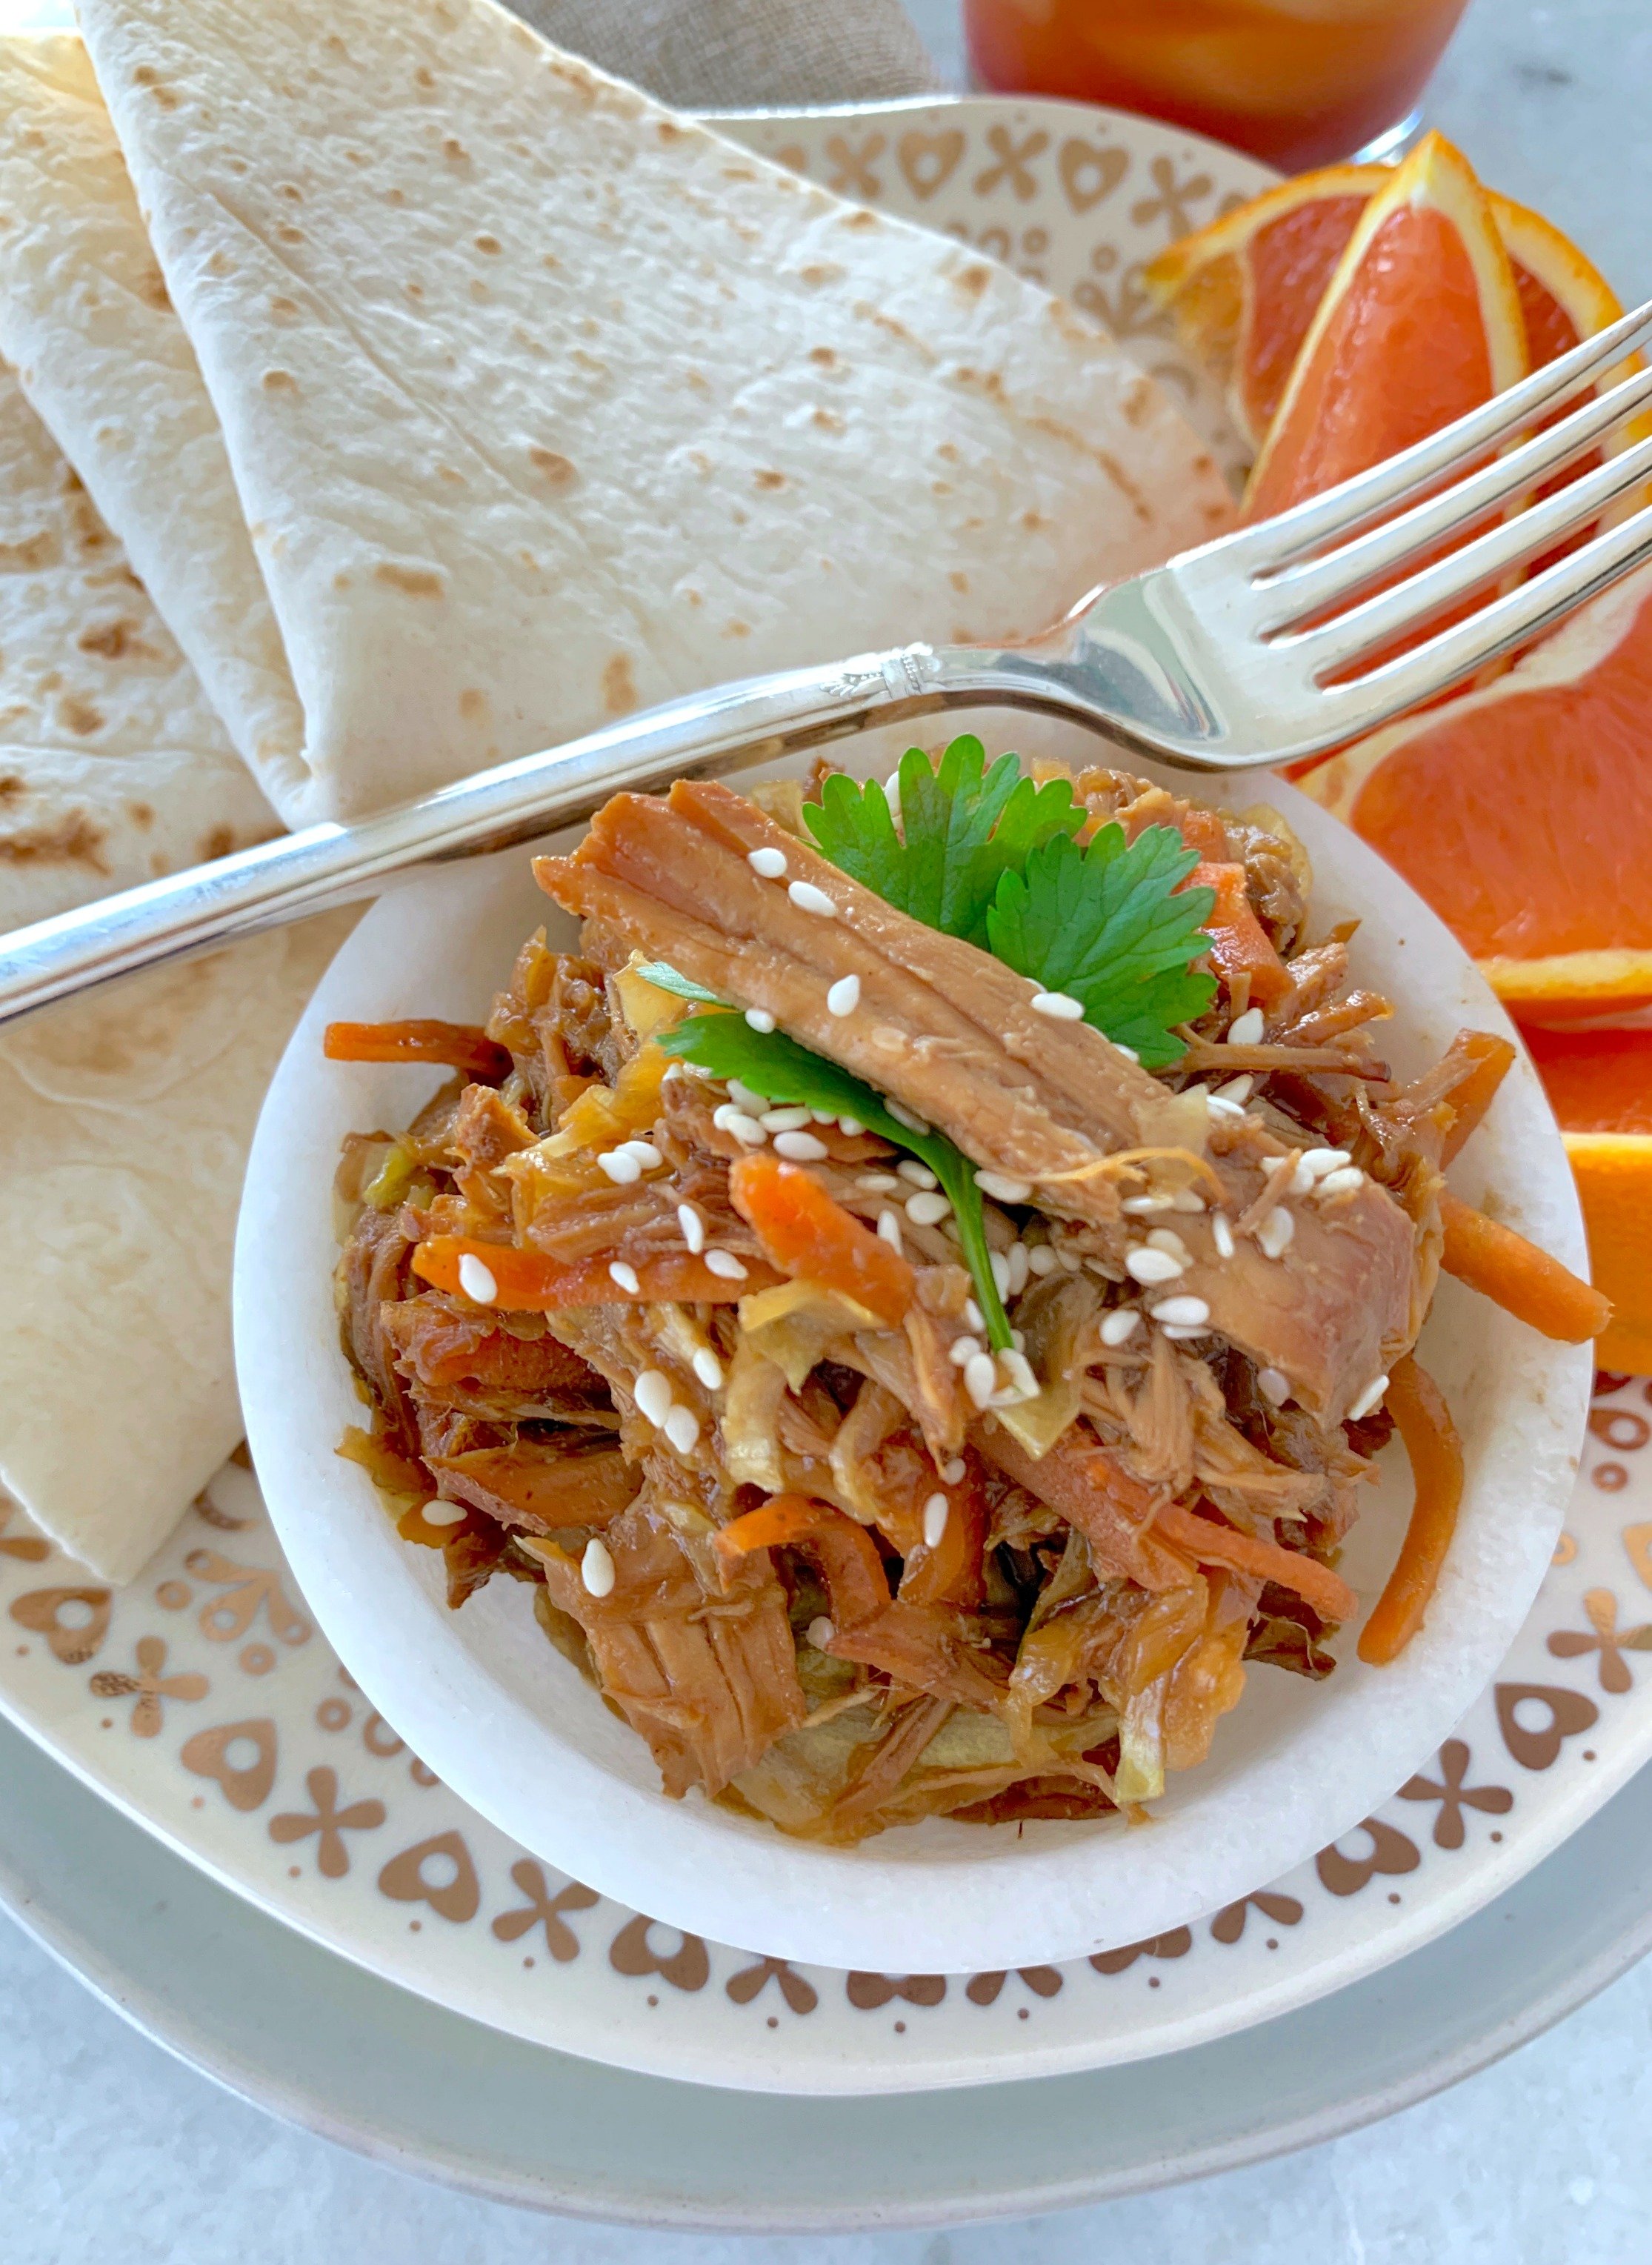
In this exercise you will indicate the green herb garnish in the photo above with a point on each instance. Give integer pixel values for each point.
(1112, 926)
(785, 1073)
(962, 828)
(664, 976)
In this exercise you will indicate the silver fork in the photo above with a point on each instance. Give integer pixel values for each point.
(1259, 648)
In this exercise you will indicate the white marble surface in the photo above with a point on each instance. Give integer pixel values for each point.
(110, 2152)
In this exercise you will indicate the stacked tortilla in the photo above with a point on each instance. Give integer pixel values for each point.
(449, 399)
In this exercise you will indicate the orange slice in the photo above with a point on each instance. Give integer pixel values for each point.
(1523, 813)
(1563, 298)
(1420, 322)
(1600, 1083)
(1242, 290)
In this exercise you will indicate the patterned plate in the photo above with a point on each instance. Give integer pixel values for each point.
(205, 1703)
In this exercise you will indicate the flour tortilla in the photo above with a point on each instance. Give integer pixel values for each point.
(541, 404)
(125, 1118)
(84, 319)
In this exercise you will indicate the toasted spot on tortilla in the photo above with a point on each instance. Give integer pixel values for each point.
(488, 243)
(557, 468)
(51, 681)
(825, 356)
(414, 290)
(216, 843)
(12, 788)
(113, 639)
(668, 130)
(152, 287)
(698, 380)
(479, 291)
(141, 814)
(473, 703)
(454, 150)
(940, 487)
(820, 271)
(417, 581)
(739, 173)
(32, 553)
(423, 76)
(284, 309)
(287, 234)
(550, 261)
(737, 630)
(1032, 520)
(395, 196)
(948, 452)
(80, 715)
(769, 480)
(972, 279)
(279, 380)
(828, 421)
(619, 685)
(960, 582)
(73, 840)
(862, 219)
(694, 598)
(453, 476)
(1137, 402)
(291, 191)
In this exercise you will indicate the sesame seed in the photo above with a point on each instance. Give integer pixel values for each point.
(1368, 1400)
(1340, 1183)
(928, 1207)
(876, 1184)
(953, 1471)
(1322, 1161)
(1041, 1259)
(1223, 1107)
(444, 1513)
(1222, 1234)
(935, 1512)
(1119, 1326)
(761, 1019)
(1145, 1207)
(477, 1280)
(963, 1350)
(707, 1368)
(998, 1261)
(648, 1157)
(851, 1128)
(1024, 1384)
(651, 1392)
(784, 1120)
(1178, 1332)
(821, 1631)
(889, 1229)
(973, 1316)
(624, 1277)
(726, 1265)
(1129, 1053)
(621, 1166)
(1019, 1259)
(821, 1116)
(801, 1147)
(1146, 1265)
(980, 1378)
(1273, 1384)
(1185, 1199)
(1002, 1189)
(1182, 1313)
(1246, 1030)
(1275, 1233)
(844, 996)
(1166, 1238)
(1067, 1257)
(808, 898)
(909, 1118)
(916, 1174)
(1058, 1006)
(727, 1119)
(1302, 1179)
(596, 1568)
(693, 1227)
(682, 1427)
(744, 1098)
(767, 864)
(1236, 1090)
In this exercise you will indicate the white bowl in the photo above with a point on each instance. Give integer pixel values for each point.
(512, 1727)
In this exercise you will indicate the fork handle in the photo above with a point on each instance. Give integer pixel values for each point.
(758, 720)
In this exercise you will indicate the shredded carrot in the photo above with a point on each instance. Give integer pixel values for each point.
(1436, 1452)
(952, 1572)
(1212, 1544)
(526, 1282)
(852, 1571)
(808, 1235)
(1493, 1059)
(1240, 945)
(1518, 1276)
(459, 1045)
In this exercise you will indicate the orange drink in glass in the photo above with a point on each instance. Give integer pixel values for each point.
(1298, 83)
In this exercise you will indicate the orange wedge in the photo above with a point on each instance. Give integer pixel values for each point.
(1600, 1083)
(1563, 299)
(1420, 322)
(1242, 291)
(1523, 813)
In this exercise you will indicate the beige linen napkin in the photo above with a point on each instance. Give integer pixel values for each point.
(737, 54)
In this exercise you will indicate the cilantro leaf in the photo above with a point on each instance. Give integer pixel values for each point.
(962, 828)
(788, 1073)
(1111, 926)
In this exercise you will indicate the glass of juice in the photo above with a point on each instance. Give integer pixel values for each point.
(1298, 83)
